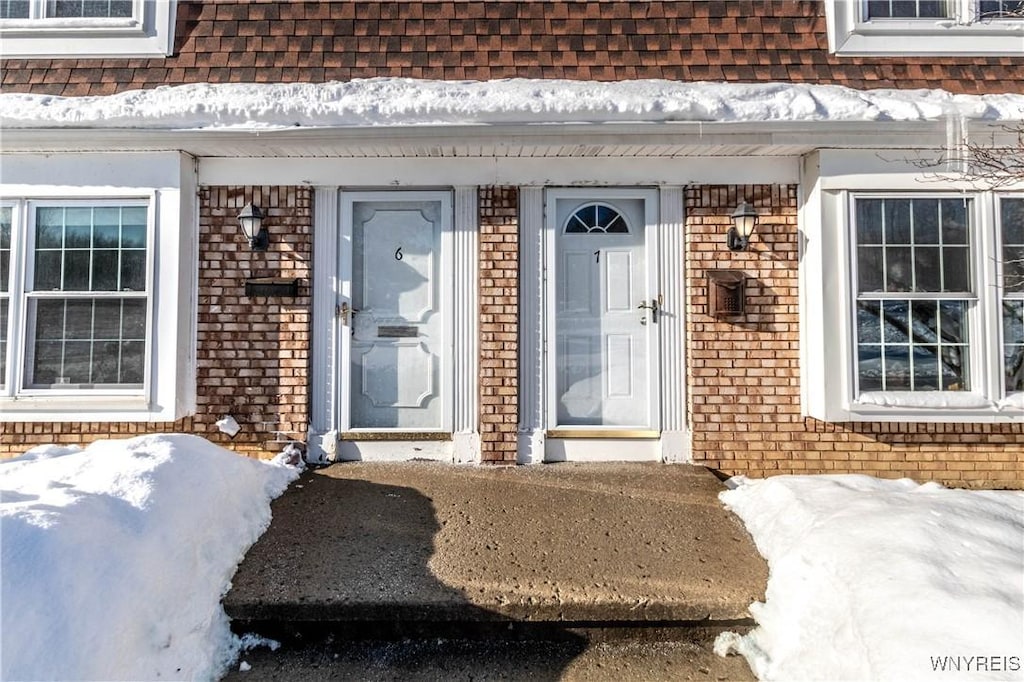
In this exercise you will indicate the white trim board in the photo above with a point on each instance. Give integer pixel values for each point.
(419, 172)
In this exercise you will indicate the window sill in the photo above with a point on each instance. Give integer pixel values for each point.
(68, 409)
(934, 406)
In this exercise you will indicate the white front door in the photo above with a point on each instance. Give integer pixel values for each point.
(395, 298)
(603, 310)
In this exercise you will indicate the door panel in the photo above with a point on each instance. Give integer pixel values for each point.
(602, 364)
(396, 328)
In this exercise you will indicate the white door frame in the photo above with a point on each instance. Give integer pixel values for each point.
(331, 284)
(444, 275)
(666, 262)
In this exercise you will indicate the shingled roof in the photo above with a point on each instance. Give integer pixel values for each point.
(716, 40)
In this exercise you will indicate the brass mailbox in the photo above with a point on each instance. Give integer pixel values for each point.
(726, 293)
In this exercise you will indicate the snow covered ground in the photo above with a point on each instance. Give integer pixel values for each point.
(114, 558)
(883, 580)
(408, 101)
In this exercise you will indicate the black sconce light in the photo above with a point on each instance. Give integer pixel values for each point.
(251, 221)
(744, 220)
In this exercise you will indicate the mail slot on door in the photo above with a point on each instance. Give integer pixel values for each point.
(726, 295)
(397, 332)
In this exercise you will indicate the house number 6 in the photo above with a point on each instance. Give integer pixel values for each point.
(398, 253)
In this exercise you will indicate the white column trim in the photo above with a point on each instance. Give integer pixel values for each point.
(322, 436)
(531, 325)
(465, 311)
(675, 436)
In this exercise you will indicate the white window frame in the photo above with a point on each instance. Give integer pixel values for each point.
(148, 33)
(1015, 396)
(828, 293)
(23, 354)
(167, 181)
(851, 34)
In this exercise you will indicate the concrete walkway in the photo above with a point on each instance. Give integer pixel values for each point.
(598, 544)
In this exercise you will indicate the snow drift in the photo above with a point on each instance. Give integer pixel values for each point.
(114, 558)
(883, 580)
(406, 101)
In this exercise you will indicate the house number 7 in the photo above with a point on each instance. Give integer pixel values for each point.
(398, 253)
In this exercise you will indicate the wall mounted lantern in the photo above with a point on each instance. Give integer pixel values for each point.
(251, 220)
(744, 220)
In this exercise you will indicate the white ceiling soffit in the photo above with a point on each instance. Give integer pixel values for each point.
(621, 140)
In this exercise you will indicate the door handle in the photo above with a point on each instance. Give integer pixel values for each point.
(654, 306)
(345, 313)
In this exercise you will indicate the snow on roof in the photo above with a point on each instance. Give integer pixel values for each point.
(406, 101)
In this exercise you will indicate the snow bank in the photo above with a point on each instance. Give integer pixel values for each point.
(406, 101)
(883, 580)
(114, 558)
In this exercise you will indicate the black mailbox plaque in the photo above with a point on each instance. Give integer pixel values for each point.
(272, 287)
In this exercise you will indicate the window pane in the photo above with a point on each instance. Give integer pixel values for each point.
(108, 319)
(869, 221)
(104, 265)
(5, 250)
(897, 368)
(106, 228)
(77, 228)
(954, 221)
(869, 368)
(895, 328)
(76, 270)
(869, 323)
(77, 363)
(1013, 344)
(133, 324)
(953, 317)
(898, 269)
(869, 268)
(1001, 9)
(132, 354)
(133, 270)
(955, 269)
(49, 319)
(78, 320)
(926, 222)
(926, 368)
(3, 341)
(47, 363)
(49, 228)
(1011, 216)
(955, 369)
(879, 9)
(927, 268)
(897, 221)
(14, 9)
(925, 321)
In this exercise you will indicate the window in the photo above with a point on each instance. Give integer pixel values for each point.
(82, 305)
(86, 28)
(1012, 224)
(925, 27)
(600, 218)
(5, 276)
(914, 288)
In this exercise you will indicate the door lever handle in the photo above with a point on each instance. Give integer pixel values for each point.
(654, 306)
(345, 313)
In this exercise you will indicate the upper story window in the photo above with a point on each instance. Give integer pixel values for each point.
(925, 27)
(86, 28)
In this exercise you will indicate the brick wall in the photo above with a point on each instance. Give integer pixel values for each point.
(499, 317)
(744, 383)
(253, 356)
(253, 353)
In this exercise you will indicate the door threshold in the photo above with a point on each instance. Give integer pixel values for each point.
(394, 435)
(604, 434)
